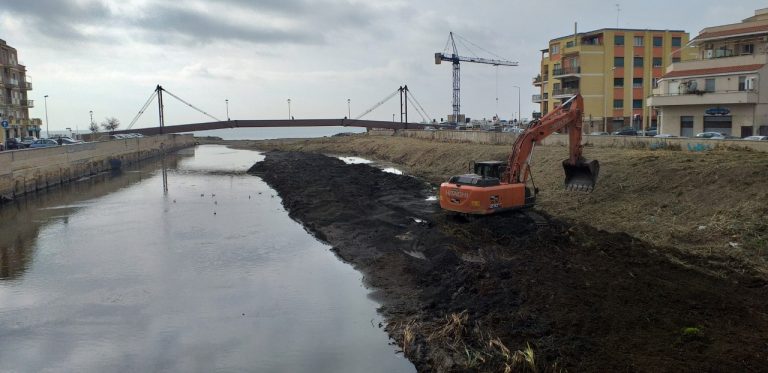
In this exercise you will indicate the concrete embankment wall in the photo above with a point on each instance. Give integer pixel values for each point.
(502, 138)
(29, 170)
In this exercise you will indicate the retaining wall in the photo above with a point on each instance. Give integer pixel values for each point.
(504, 138)
(29, 170)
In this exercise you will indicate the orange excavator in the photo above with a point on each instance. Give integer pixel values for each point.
(496, 186)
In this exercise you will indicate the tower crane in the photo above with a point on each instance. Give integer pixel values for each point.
(455, 59)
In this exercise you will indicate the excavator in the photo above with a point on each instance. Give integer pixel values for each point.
(496, 186)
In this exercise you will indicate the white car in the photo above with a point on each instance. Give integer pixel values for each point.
(711, 135)
(756, 138)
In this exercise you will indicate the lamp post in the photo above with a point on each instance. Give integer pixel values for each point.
(226, 102)
(289, 108)
(518, 103)
(47, 132)
(349, 110)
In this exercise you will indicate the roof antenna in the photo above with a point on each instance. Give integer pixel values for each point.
(618, 11)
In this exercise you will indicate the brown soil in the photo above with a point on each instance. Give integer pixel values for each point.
(520, 291)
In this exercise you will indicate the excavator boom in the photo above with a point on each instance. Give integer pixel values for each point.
(494, 186)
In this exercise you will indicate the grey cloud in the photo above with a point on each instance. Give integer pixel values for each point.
(57, 19)
(165, 22)
(196, 27)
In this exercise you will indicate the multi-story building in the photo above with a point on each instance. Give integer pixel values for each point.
(14, 104)
(613, 69)
(721, 90)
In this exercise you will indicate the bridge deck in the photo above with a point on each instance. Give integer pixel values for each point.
(272, 123)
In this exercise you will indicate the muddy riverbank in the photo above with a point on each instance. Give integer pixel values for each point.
(519, 291)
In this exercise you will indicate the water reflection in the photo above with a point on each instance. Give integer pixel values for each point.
(22, 219)
(212, 275)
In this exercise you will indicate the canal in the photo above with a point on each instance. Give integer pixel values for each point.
(116, 273)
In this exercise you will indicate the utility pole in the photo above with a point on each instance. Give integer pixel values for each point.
(47, 131)
(289, 108)
(226, 101)
(349, 110)
(518, 103)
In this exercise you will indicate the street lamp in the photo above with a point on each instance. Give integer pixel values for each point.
(289, 108)
(226, 101)
(349, 110)
(518, 103)
(48, 132)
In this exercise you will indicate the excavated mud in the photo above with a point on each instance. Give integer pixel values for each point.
(521, 291)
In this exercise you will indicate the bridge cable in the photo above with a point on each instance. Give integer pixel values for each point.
(192, 106)
(143, 108)
(418, 105)
(379, 104)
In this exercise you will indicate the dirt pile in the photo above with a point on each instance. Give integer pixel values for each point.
(701, 202)
(521, 291)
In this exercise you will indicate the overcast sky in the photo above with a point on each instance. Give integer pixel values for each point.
(107, 56)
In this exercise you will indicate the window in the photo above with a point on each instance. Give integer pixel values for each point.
(570, 44)
(618, 61)
(638, 41)
(554, 49)
(676, 41)
(658, 41)
(618, 40)
(742, 83)
(618, 104)
(637, 82)
(675, 59)
(618, 82)
(637, 104)
(656, 61)
(638, 61)
(709, 85)
(747, 49)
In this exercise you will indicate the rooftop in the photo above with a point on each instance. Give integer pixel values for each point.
(602, 30)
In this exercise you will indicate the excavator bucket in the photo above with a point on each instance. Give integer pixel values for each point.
(581, 176)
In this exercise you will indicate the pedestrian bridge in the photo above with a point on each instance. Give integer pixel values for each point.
(185, 128)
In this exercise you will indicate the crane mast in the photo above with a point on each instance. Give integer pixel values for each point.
(455, 59)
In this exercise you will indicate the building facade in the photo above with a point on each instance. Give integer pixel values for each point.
(721, 90)
(615, 71)
(14, 102)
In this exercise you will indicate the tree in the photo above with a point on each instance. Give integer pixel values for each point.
(110, 124)
(94, 127)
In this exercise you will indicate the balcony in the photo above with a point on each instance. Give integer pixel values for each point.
(27, 86)
(567, 72)
(703, 98)
(13, 83)
(567, 92)
(28, 103)
(540, 98)
(539, 79)
(751, 59)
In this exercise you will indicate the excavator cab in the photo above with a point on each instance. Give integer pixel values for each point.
(581, 176)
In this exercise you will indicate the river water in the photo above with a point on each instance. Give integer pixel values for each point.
(112, 273)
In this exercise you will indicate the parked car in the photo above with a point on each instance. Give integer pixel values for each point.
(756, 138)
(666, 136)
(711, 135)
(599, 133)
(27, 141)
(13, 143)
(625, 132)
(652, 131)
(44, 143)
(68, 141)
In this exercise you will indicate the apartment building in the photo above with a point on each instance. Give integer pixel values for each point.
(14, 104)
(721, 90)
(615, 71)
